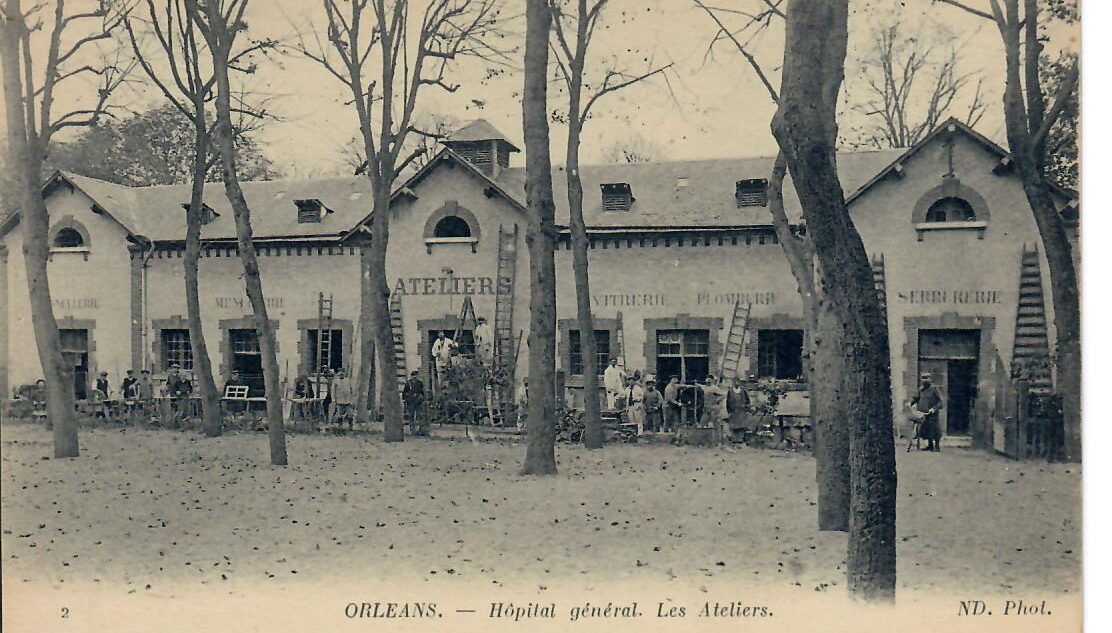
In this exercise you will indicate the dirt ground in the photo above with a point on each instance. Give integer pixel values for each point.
(144, 511)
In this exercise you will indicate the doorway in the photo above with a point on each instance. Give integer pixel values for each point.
(951, 358)
(75, 350)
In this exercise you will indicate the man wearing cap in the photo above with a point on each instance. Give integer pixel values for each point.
(928, 402)
(613, 380)
(413, 395)
(654, 405)
(127, 387)
(442, 355)
(176, 385)
(635, 404)
(673, 408)
(101, 383)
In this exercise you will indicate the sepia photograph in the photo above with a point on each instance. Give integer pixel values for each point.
(541, 315)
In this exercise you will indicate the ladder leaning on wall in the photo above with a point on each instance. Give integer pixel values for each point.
(324, 338)
(397, 328)
(736, 346)
(505, 353)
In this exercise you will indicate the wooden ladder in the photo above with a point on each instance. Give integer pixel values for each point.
(397, 326)
(504, 352)
(1031, 345)
(619, 337)
(735, 348)
(879, 282)
(324, 339)
(466, 312)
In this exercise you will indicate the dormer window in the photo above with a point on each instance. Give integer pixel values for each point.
(309, 211)
(617, 196)
(752, 192)
(207, 214)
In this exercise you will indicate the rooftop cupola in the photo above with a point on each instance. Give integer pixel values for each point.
(481, 144)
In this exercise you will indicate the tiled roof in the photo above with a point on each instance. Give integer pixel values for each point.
(479, 130)
(696, 194)
(157, 214)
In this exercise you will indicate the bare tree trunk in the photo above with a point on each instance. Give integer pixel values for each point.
(806, 129)
(27, 155)
(224, 142)
(588, 350)
(540, 455)
(389, 399)
(202, 365)
(823, 365)
(363, 399)
(1027, 143)
(830, 418)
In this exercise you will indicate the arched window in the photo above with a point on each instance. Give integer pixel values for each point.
(68, 238)
(951, 209)
(452, 226)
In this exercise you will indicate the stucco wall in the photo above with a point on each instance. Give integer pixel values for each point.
(650, 278)
(92, 286)
(961, 273)
(291, 283)
(429, 292)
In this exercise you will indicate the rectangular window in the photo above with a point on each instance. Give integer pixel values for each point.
(333, 357)
(575, 353)
(780, 354)
(176, 350)
(684, 354)
(247, 360)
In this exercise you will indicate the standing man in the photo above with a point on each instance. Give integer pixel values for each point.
(144, 392)
(442, 354)
(673, 408)
(654, 406)
(713, 396)
(413, 395)
(614, 381)
(737, 406)
(127, 387)
(101, 384)
(635, 404)
(929, 402)
(343, 400)
(484, 342)
(522, 403)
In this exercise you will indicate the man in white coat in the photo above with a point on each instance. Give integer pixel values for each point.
(613, 380)
(442, 354)
(484, 341)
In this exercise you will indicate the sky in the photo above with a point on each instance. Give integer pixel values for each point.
(703, 105)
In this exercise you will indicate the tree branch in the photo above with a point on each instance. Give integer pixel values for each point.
(1065, 91)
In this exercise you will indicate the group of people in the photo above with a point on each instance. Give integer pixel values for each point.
(339, 395)
(444, 348)
(642, 404)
